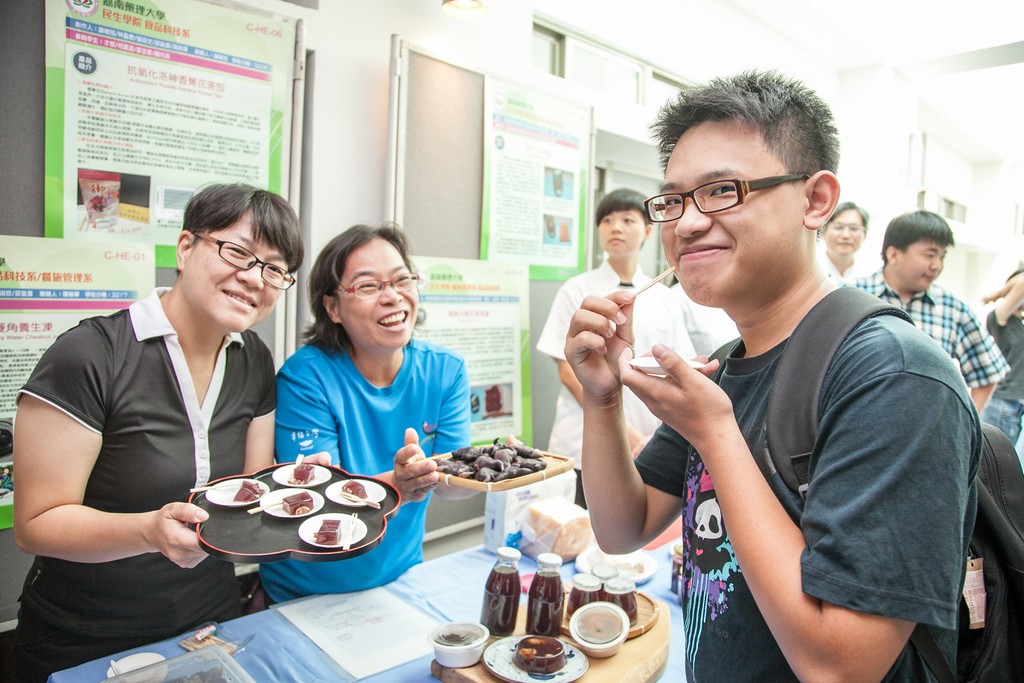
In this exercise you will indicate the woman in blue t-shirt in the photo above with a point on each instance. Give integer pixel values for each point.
(379, 401)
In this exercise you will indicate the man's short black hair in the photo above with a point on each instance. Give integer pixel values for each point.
(795, 123)
(916, 226)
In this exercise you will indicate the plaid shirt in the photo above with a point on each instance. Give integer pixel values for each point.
(952, 324)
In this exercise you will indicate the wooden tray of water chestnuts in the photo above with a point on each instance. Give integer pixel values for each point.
(499, 466)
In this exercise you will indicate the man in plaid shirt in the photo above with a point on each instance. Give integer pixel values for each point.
(913, 251)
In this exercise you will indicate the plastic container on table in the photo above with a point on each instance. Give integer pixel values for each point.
(206, 661)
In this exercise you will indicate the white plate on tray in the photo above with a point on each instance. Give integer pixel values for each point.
(224, 493)
(374, 492)
(349, 524)
(283, 475)
(278, 495)
(498, 659)
(638, 565)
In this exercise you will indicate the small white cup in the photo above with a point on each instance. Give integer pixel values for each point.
(458, 645)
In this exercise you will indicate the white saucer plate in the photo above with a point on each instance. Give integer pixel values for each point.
(349, 525)
(224, 494)
(374, 492)
(283, 475)
(649, 364)
(639, 565)
(133, 662)
(498, 659)
(280, 494)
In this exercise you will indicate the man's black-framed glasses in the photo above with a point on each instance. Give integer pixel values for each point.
(711, 197)
(364, 289)
(243, 259)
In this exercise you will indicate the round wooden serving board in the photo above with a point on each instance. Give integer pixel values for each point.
(641, 659)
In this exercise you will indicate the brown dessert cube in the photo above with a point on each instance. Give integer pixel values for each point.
(354, 488)
(298, 503)
(327, 534)
(248, 492)
(301, 474)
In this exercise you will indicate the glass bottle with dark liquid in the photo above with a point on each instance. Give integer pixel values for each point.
(501, 594)
(546, 601)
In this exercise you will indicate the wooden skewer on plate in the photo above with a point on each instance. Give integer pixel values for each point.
(353, 498)
(350, 531)
(261, 508)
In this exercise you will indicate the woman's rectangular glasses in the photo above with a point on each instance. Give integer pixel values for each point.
(243, 259)
(364, 289)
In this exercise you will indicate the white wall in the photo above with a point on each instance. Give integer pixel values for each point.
(352, 42)
(878, 114)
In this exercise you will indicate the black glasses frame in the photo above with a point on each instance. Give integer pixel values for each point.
(743, 188)
(251, 260)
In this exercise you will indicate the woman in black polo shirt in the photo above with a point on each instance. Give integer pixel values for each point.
(122, 415)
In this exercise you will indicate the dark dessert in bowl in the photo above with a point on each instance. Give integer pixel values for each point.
(539, 655)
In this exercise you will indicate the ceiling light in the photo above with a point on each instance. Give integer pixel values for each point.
(463, 8)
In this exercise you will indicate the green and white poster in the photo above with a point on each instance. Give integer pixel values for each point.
(482, 311)
(148, 100)
(46, 287)
(537, 150)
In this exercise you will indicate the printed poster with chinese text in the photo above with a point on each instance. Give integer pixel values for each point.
(481, 311)
(537, 150)
(148, 100)
(46, 287)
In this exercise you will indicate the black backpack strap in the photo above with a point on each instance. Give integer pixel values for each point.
(925, 643)
(792, 422)
(999, 473)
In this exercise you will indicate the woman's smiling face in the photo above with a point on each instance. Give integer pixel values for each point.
(230, 299)
(379, 324)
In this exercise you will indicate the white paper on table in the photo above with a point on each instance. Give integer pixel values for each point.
(365, 632)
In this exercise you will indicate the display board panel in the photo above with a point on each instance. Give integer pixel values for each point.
(149, 100)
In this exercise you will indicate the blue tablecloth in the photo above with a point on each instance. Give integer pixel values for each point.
(448, 588)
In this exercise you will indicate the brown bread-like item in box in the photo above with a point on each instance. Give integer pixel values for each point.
(557, 526)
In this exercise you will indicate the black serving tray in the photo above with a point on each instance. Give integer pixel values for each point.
(232, 534)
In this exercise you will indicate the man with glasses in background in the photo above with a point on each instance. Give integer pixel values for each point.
(913, 254)
(776, 587)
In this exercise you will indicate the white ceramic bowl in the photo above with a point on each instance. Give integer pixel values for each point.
(599, 628)
(459, 645)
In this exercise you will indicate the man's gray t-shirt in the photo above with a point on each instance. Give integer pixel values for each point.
(888, 514)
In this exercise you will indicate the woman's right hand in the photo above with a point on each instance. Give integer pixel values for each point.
(167, 531)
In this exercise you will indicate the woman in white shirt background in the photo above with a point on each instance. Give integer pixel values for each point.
(657, 318)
